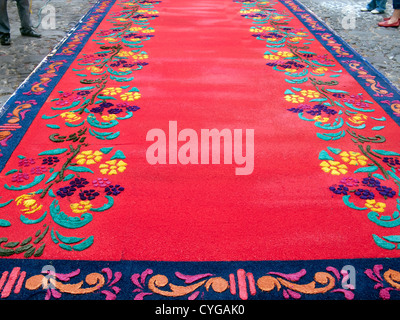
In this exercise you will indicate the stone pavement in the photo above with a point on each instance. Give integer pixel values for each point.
(378, 45)
(21, 58)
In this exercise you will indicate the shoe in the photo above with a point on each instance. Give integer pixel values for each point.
(364, 10)
(377, 11)
(386, 19)
(30, 33)
(5, 39)
(387, 24)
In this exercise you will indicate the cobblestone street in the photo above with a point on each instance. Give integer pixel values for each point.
(378, 45)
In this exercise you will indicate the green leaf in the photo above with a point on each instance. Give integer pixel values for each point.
(53, 152)
(367, 169)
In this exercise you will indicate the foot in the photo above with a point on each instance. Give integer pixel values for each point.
(5, 39)
(392, 22)
(365, 10)
(375, 11)
(30, 33)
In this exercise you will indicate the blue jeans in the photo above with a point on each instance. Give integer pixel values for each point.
(379, 5)
(23, 12)
(396, 4)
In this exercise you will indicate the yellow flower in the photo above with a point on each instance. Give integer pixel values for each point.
(70, 116)
(271, 57)
(375, 206)
(81, 207)
(358, 118)
(89, 157)
(295, 39)
(140, 56)
(109, 117)
(354, 158)
(321, 70)
(294, 98)
(310, 93)
(130, 96)
(112, 167)
(124, 69)
(30, 205)
(333, 167)
(285, 54)
(111, 39)
(111, 91)
(94, 69)
(321, 119)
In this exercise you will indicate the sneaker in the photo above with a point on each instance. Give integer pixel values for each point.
(365, 10)
(377, 11)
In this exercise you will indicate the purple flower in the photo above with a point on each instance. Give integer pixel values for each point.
(115, 111)
(114, 190)
(88, 194)
(341, 189)
(133, 108)
(101, 182)
(371, 182)
(26, 162)
(79, 183)
(391, 161)
(386, 191)
(350, 182)
(38, 170)
(50, 160)
(364, 194)
(66, 191)
(19, 177)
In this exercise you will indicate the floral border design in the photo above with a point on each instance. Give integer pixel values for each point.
(76, 179)
(366, 174)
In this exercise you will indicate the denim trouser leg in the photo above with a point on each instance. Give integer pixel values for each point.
(371, 5)
(4, 22)
(24, 15)
(396, 4)
(379, 5)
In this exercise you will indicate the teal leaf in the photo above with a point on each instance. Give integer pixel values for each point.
(367, 169)
(84, 244)
(108, 205)
(53, 152)
(31, 221)
(70, 222)
(4, 223)
(35, 181)
(68, 240)
(385, 153)
(79, 169)
(118, 155)
(323, 155)
(106, 150)
(382, 243)
(346, 200)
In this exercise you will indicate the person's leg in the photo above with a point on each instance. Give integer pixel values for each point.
(24, 15)
(4, 22)
(381, 5)
(371, 5)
